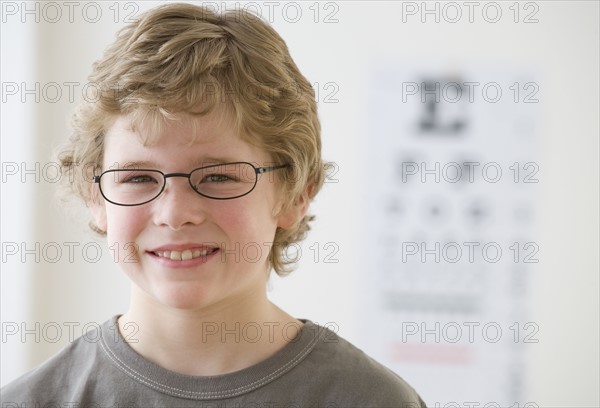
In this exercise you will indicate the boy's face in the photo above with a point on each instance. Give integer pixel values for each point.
(235, 233)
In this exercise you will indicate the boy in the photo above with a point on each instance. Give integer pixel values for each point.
(203, 141)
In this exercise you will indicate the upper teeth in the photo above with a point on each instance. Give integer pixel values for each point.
(183, 255)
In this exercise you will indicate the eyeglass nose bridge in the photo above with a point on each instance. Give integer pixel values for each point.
(188, 176)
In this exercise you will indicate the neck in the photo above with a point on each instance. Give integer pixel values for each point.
(215, 340)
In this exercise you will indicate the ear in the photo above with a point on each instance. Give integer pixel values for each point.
(295, 213)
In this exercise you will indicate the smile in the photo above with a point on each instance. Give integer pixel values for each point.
(186, 254)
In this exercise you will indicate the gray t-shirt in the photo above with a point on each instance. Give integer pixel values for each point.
(317, 369)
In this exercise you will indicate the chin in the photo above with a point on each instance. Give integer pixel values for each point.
(191, 303)
(184, 298)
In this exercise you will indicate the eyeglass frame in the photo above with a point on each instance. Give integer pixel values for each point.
(257, 170)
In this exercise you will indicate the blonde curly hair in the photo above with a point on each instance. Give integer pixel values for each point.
(179, 57)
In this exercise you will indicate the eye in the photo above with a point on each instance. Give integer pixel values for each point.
(138, 178)
(217, 178)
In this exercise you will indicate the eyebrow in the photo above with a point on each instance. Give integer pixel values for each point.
(152, 165)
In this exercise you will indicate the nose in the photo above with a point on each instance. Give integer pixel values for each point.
(179, 205)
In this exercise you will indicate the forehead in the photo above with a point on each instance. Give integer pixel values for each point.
(182, 139)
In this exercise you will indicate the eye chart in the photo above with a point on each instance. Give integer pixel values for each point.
(450, 177)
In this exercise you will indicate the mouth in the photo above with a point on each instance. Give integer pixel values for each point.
(186, 254)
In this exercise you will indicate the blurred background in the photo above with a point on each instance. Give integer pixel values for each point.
(457, 238)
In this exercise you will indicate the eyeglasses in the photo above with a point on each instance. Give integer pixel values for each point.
(226, 181)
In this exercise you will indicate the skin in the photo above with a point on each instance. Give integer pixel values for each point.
(173, 307)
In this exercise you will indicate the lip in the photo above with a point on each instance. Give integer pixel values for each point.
(189, 263)
(183, 247)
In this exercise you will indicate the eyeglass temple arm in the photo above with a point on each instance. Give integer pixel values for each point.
(261, 170)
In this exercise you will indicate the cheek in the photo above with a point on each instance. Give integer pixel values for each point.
(246, 222)
(235, 221)
(124, 227)
(250, 234)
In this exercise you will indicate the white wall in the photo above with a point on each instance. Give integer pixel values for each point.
(563, 49)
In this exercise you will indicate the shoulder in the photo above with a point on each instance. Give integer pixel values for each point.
(354, 376)
(54, 379)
